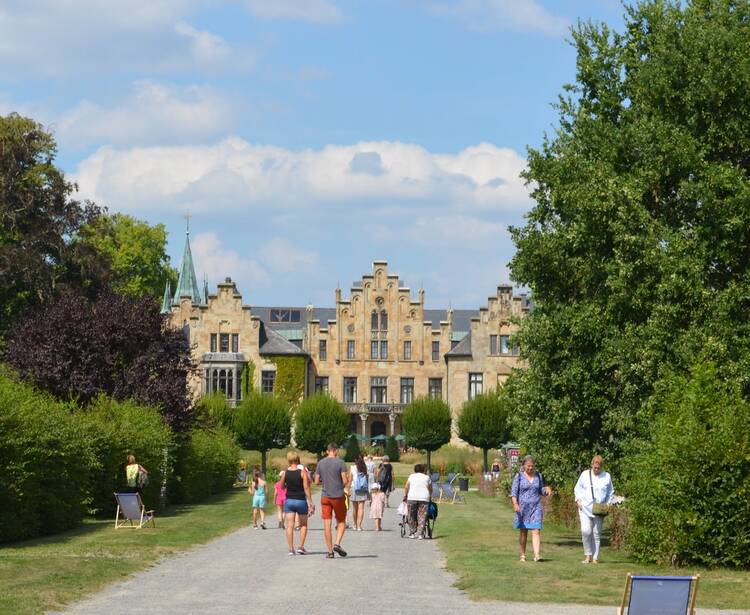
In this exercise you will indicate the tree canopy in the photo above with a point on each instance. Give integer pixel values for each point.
(318, 421)
(77, 348)
(637, 247)
(426, 423)
(260, 422)
(484, 421)
(135, 251)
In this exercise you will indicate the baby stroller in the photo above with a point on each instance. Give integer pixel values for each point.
(429, 525)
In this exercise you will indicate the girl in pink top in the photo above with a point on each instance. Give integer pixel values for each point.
(377, 504)
(279, 498)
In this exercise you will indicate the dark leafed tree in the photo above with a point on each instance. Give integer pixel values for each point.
(38, 221)
(484, 422)
(638, 247)
(426, 423)
(77, 348)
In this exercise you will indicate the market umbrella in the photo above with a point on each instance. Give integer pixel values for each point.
(400, 437)
(380, 437)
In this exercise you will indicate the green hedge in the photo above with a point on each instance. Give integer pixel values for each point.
(689, 489)
(118, 430)
(45, 462)
(206, 464)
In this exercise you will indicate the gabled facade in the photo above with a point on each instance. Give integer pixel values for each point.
(375, 350)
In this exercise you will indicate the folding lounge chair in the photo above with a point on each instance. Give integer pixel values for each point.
(133, 512)
(450, 494)
(659, 595)
(435, 477)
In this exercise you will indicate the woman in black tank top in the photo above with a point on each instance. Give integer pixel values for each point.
(298, 502)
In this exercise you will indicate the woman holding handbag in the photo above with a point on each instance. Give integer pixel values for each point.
(593, 493)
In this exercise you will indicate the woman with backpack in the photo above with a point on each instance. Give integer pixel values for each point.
(360, 492)
(136, 476)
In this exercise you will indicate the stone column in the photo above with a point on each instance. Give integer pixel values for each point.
(392, 417)
(363, 418)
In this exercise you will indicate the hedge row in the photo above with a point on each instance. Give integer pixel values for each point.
(58, 462)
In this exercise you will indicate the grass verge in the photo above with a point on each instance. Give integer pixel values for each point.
(48, 573)
(481, 548)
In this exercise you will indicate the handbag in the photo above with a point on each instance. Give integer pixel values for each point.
(597, 508)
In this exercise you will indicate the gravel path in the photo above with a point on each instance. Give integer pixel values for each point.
(250, 571)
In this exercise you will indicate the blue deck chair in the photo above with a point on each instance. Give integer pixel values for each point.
(450, 494)
(435, 477)
(134, 514)
(659, 595)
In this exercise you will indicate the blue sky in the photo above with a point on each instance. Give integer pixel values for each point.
(306, 137)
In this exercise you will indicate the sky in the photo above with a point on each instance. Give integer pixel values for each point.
(305, 138)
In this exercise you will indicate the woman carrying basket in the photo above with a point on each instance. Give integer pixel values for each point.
(593, 493)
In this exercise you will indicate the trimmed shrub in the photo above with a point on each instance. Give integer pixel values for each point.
(427, 424)
(484, 422)
(45, 462)
(318, 421)
(206, 464)
(119, 429)
(689, 490)
(391, 449)
(352, 449)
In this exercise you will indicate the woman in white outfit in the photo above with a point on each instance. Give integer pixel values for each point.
(593, 485)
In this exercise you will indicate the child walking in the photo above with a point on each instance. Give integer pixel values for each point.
(279, 490)
(258, 489)
(377, 504)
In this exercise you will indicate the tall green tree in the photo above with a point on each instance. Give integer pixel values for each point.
(38, 221)
(136, 252)
(318, 421)
(426, 423)
(484, 422)
(637, 247)
(260, 422)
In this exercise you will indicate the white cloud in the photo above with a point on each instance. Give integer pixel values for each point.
(153, 112)
(234, 174)
(53, 38)
(523, 15)
(462, 231)
(316, 11)
(281, 255)
(216, 263)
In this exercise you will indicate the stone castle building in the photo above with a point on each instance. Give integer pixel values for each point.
(375, 350)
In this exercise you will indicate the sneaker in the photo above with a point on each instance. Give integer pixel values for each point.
(291, 552)
(255, 527)
(339, 550)
(329, 555)
(263, 526)
(412, 535)
(301, 551)
(420, 537)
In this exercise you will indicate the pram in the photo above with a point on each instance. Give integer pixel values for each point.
(429, 524)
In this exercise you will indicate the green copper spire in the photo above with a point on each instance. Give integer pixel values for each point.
(166, 302)
(187, 285)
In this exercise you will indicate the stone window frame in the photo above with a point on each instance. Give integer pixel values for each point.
(493, 344)
(406, 389)
(432, 389)
(235, 342)
(267, 376)
(379, 383)
(351, 349)
(224, 342)
(407, 350)
(348, 381)
(436, 350)
(383, 350)
(323, 350)
(321, 384)
(214, 342)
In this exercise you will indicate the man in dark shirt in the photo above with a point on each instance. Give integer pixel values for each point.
(334, 475)
(385, 477)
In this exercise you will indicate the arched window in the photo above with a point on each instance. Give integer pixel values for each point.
(374, 321)
(215, 381)
(384, 321)
(223, 381)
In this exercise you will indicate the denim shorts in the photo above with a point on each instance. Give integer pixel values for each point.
(295, 506)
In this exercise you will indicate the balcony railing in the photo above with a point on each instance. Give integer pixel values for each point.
(372, 408)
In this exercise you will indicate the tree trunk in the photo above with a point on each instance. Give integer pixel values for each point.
(429, 466)
(484, 454)
(263, 463)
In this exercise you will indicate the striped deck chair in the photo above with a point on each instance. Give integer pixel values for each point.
(451, 494)
(134, 514)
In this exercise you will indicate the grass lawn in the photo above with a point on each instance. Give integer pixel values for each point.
(481, 547)
(47, 573)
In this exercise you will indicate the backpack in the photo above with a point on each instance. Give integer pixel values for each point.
(142, 478)
(360, 483)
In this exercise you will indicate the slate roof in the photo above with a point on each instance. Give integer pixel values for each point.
(462, 349)
(271, 343)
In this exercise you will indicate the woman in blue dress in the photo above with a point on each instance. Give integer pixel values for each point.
(527, 492)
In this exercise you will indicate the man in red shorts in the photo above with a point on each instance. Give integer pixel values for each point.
(334, 475)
